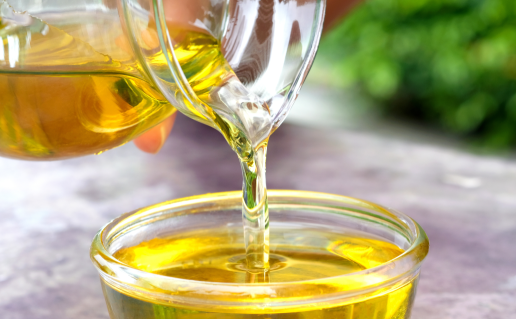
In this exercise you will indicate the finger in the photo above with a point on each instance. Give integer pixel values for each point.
(336, 10)
(152, 140)
(186, 12)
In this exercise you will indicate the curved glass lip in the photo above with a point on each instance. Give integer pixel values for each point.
(194, 294)
(186, 89)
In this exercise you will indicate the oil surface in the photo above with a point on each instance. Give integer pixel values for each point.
(218, 256)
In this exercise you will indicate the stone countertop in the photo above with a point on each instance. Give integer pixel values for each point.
(50, 212)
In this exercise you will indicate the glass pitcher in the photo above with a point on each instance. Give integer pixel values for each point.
(79, 77)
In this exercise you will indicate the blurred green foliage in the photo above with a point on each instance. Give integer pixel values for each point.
(451, 62)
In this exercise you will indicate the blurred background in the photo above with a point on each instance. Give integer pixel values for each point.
(445, 65)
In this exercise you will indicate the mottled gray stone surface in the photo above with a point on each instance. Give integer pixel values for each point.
(467, 204)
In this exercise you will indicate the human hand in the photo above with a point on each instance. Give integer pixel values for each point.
(180, 13)
(152, 140)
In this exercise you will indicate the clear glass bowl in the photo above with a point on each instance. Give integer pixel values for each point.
(382, 292)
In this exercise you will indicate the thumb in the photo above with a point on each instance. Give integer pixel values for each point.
(152, 140)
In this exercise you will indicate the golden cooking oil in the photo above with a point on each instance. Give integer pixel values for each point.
(218, 256)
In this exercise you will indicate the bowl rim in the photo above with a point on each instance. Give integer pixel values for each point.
(240, 298)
